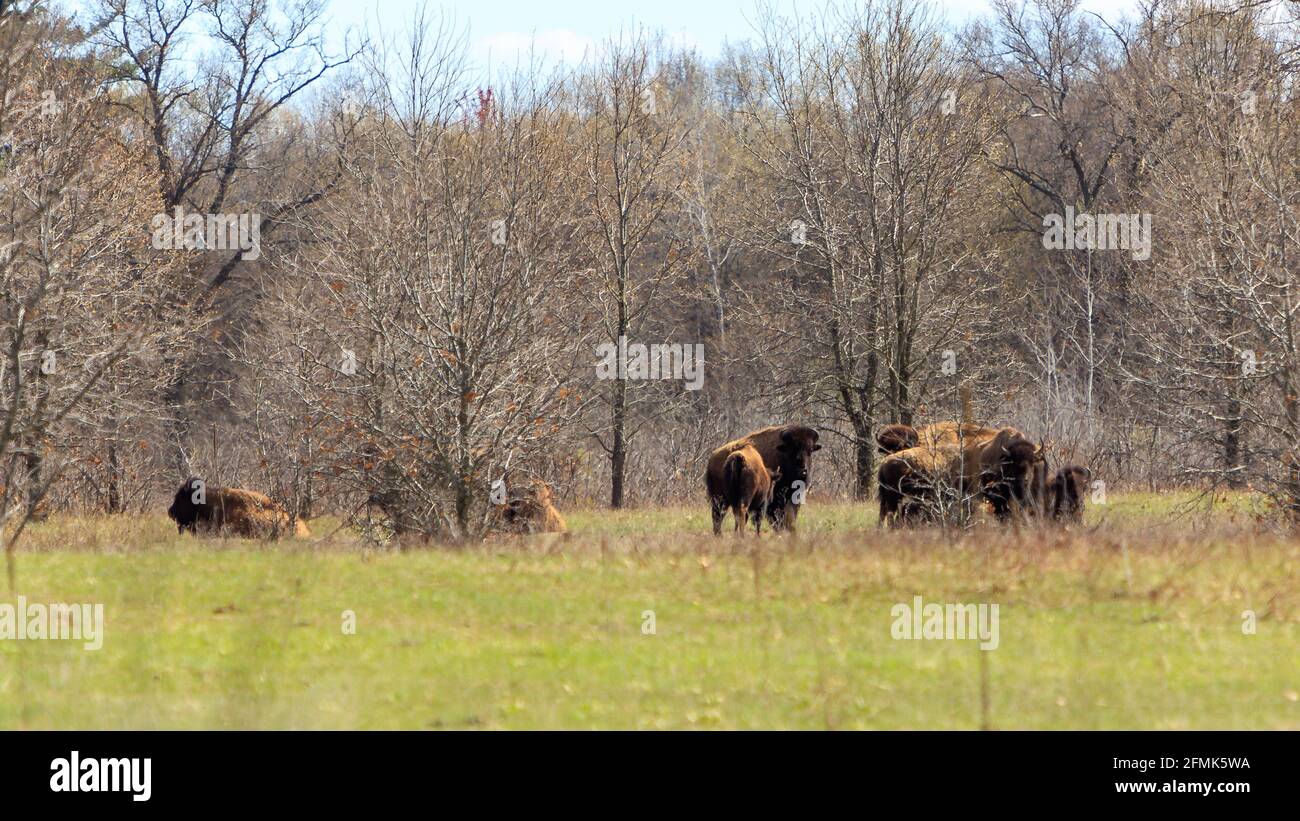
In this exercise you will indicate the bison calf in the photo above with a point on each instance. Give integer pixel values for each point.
(746, 489)
(247, 513)
(1067, 489)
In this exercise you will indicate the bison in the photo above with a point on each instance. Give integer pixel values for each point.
(959, 434)
(897, 437)
(955, 462)
(893, 438)
(747, 487)
(1013, 474)
(247, 513)
(1067, 492)
(907, 479)
(786, 451)
(533, 511)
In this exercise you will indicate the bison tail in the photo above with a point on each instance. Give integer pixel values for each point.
(731, 473)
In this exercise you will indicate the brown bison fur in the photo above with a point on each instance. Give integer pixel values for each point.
(747, 487)
(1003, 466)
(1013, 474)
(914, 480)
(893, 438)
(957, 434)
(533, 511)
(1067, 489)
(232, 510)
(786, 451)
(933, 463)
(1011, 469)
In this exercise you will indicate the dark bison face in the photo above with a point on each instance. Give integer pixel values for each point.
(1068, 489)
(795, 454)
(519, 510)
(1018, 475)
(1025, 471)
(893, 438)
(185, 510)
(527, 506)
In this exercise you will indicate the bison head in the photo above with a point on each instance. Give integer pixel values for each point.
(794, 453)
(1014, 473)
(1068, 488)
(893, 438)
(185, 509)
(529, 507)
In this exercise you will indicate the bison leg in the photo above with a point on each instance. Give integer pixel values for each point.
(719, 513)
(791, 517)
(889, 502)
(741, 512)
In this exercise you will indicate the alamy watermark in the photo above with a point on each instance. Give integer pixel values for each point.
(53, 622)
(637, 361)
(952, 621)
(208, 232)
(77, 774)
(1098, 232)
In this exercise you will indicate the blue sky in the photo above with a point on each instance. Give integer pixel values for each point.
(501, 29)
(500, 32)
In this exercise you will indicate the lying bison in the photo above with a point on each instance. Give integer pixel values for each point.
(217, 510)
(786, 451)
(533, 511)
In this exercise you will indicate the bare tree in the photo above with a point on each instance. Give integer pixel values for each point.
(80, 284)
(873, 180)
(424, 338)
(633, 170)
(210, 132)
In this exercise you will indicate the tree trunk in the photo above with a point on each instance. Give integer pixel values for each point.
(114, 501)
(866, 466)
(32, 464)
(618, 453)
(1232, 444)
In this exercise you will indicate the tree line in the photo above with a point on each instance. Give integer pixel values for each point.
(370, 279)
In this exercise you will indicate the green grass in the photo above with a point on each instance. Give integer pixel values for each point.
(1132, 622)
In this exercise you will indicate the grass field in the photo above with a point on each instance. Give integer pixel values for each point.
(1134, 621)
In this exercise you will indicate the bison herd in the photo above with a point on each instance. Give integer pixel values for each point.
(929, 474)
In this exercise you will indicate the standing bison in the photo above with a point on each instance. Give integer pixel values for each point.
(915, 483)
(897, 437)
(1013, 474)
(1067, 489)
(199, 507)
(786, 451)
(747, 487)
